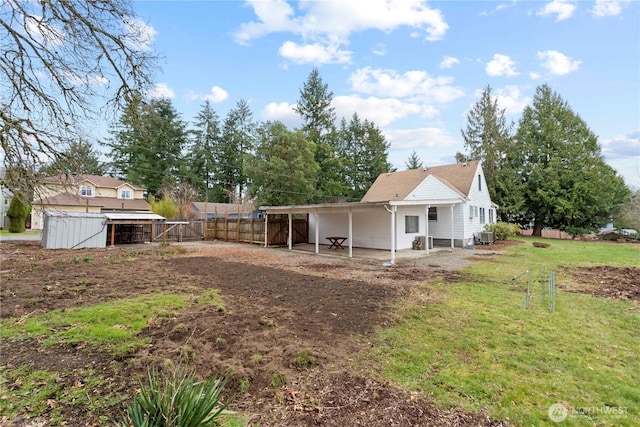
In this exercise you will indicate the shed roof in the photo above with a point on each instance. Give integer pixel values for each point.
(398, 185)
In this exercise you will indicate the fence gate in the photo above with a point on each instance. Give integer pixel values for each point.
(279, 230)
(178, 231)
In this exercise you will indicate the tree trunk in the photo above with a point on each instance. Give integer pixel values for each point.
(537, 228)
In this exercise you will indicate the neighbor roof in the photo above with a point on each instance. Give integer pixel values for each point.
(68, 199)
(97, 180)
(223, 208)
(398, 185)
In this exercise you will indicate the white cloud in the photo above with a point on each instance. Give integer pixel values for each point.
(535, 76)
(501, 65)
(217, 94)
(622, 147)
(511, 99)
(43, 32)
(141, 35)
(314, 53)
(381, 111)
(449, 61)
(419, 139)
(161, 90)
(414, 85)
(282, 112)
(558, 64)
(563, 9)
(380, 49)
(607, 7)
(331, 22)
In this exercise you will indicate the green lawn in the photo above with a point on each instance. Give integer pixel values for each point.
(480, 348)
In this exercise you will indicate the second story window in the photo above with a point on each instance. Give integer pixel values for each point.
(86, 191)
(125, 194)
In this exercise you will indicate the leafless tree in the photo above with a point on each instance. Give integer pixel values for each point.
(63, 66)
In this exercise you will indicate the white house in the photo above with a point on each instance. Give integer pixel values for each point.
(449, 205)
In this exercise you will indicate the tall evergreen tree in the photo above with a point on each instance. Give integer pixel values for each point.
(488, 137)
(567, 184)
(283, 170)
(79, 157)
(318, 118)
(364, 152)
(204, 155)
(238, 136)
(146, 147)
(413, 162)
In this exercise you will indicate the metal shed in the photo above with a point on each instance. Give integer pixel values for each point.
(74, 230)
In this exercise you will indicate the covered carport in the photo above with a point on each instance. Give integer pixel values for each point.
(130, 227)
(377, 223)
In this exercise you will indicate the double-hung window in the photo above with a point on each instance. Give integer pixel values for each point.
(411, 224)
(433, 214)
(86, 191)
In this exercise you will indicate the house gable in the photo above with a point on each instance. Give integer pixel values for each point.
(434, 188)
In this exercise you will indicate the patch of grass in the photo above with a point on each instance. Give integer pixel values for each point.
(478, 347)
(278, 379)
(211, 296)
(112, 325)
(81, 259)
(305, 359)
(245, 383)
(257, 358)
(29, 393)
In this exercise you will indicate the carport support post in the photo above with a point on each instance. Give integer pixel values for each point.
(113, 234)
(290, 237)
(393, 234)
(315, 214)
(452, 226)
(350, 233)
(426, 227)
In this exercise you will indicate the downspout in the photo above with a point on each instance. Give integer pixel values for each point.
(392, 211)
(317, 230)
(350, 233)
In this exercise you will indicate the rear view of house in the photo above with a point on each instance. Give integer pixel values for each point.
(441, 206)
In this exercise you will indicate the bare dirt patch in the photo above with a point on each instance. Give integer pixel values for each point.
(605, 281)
(301, 317)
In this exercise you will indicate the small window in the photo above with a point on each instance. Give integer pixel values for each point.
(433, 214)
(411, 224)
(481, 215)
(86, 191)
(125, 194)
(479, 182)
(490, 216)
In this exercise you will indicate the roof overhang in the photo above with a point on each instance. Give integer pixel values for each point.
(355, 206)
(132, 217)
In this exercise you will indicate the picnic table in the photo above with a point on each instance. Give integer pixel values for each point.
(336, 242)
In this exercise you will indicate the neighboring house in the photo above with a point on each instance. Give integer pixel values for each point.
(225, 210)
(5, 201)
(448, 205)
(85, 193)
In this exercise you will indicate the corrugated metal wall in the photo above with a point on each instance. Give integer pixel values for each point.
(74, 230)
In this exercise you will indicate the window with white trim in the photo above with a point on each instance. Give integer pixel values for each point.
(411, 224)
(490, 216)
(85, 190)
(125, 194)
(481, 215)
(479, 182)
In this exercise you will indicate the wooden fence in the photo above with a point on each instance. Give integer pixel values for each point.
(251, 230)
(234, 229)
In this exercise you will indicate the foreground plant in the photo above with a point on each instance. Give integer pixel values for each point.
(176, 400)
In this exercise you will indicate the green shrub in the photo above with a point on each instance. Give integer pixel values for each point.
(165, 207)
(176, 400)
(502, 230)
(18, 212)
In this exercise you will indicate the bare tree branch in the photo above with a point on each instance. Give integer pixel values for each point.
(63, 66)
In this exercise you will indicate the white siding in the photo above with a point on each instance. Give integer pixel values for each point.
(479, 198)
(371, 228)
(432, 189)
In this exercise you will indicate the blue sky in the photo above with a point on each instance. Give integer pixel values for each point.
(412, 67)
